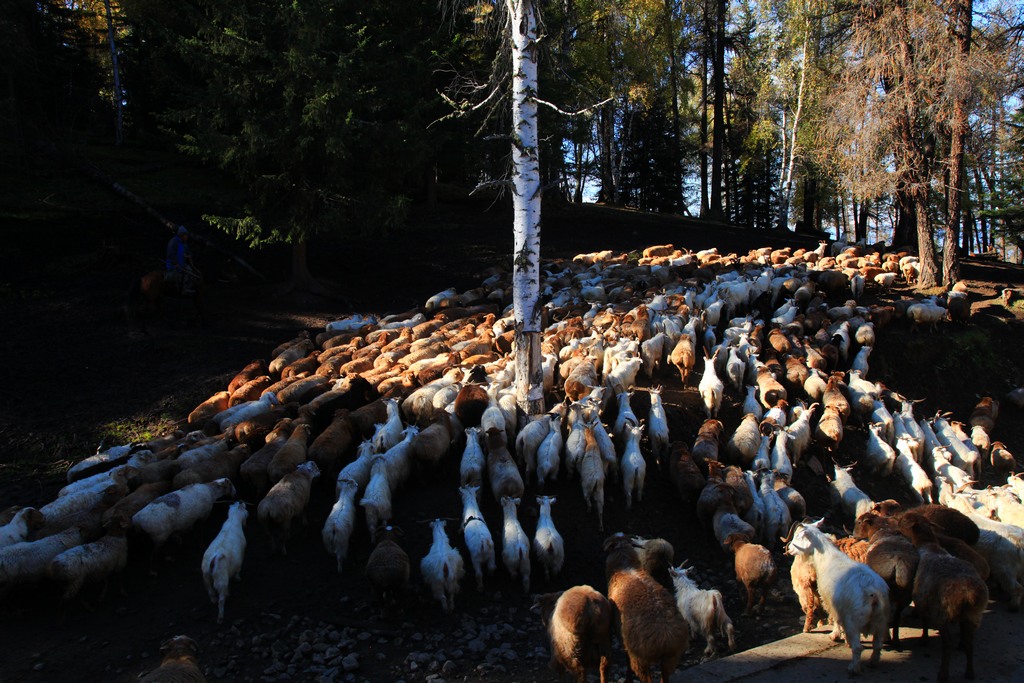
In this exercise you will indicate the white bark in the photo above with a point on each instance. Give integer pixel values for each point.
(526, 207)
(787, 187)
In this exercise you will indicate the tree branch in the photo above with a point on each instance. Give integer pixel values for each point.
(573, 113)
(461, 109)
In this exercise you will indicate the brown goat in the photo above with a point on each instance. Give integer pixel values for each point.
(947, 592)
(579, 625)
(651, 628)
(754, 567)
(179, 665)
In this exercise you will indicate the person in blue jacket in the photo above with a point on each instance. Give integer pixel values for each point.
(179, 271)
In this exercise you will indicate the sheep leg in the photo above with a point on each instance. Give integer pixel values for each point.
(667, 667)
(750, 601)
(603, 668)
(947, 645)
(967, 641)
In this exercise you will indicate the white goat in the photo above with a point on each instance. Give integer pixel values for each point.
(376, 500)
(704, 610)
(711, 388)
(222, 560)
(548, 547)
(634, 467)
(855, 597)
(911, 472)
(515, 544)
(853, 501)
(777, 518)
(471, 468)
(657, 427)
(879, 455)
(476, 535)
(442, 567)
(341, 521)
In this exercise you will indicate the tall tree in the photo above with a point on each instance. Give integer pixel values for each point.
(958, 81)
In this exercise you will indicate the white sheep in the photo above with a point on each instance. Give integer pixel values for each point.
(180, 510)
(337, 531)
(704, 610)
(751, 404)
(222, 560)
(515, 544)
(476, 535)
(925, 313)
(28, 561)
(442, 567)
(234, 415)
(548, 547)
(285, 502)
(855, 597)
(21, 525)
(780, 457)
(634, 467)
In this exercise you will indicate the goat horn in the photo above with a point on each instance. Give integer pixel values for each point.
(789, 536)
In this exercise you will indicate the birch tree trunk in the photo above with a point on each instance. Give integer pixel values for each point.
(526, 208)
(118, 94)
(787, 186)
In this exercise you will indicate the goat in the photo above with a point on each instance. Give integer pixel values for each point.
(855, 597)
(180, 663)
(634, 467)
(515, 544)
(387, 567)
(947, 591)
(442, 567)
(754, 568)
(337, 531)
(222, 560)
(476, 535)
(547, 545)
(579, 626)
(651, 627)
(286, 501)
(704, 611)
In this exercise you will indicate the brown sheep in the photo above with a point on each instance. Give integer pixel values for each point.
(179, 665)
(651, 628)
(950, 522)
(709, 437)
(894, 558)
(250, 391)
(254, 470)
(291, 454)
(334, 442)
(804, 578)
(854, 548)
(387, 568)
(683, 356)
(251, 371)
(224, 465)
(579, 625)
(434, 440)
(684, 474)
(365, 417)
(208, 408)
(754, 568)
(285, 502)
(947, 592)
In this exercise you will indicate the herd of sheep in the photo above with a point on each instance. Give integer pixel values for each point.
(368, 404)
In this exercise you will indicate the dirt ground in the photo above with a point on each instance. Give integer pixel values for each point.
(76, 371)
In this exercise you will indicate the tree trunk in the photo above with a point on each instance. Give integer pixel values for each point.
(526, 208)
(677, 152)
(118, 93)
(787, 186)
(810, 200)
(905, 232)
(925, 245)
(961, 31)
(705, 206)
(718, 123)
